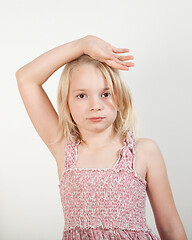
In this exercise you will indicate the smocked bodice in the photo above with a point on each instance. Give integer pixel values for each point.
(107, 198)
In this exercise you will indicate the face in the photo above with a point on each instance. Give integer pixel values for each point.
(91, 102)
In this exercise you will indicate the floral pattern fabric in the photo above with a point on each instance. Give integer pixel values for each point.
(104, 203)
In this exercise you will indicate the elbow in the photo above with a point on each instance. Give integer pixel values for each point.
(19, 74)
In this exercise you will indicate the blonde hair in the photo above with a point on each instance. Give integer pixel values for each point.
(126, 119)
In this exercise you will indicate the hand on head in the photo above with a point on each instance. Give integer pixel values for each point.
(105, 52)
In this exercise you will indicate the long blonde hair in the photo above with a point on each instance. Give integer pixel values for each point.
(126, 119)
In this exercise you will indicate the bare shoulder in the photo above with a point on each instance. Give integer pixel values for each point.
(146, 144)
(143, 155)
(147, 148)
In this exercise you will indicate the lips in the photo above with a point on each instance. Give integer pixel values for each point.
(97, 118)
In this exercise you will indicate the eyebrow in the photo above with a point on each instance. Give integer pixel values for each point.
(83, 89)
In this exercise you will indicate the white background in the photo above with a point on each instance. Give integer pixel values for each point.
(158, 34)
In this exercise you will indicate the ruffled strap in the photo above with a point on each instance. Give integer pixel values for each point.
(127, 153)
(130, 138)
(70, 153)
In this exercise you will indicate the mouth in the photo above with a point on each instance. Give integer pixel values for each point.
(96, 119)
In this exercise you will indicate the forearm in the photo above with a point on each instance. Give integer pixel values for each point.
(42, 67)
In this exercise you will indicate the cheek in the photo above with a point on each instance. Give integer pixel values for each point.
(112, 106)
(113, 110)
(76, 109)
(71, 104)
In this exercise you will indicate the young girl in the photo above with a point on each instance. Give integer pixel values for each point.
(104, 170)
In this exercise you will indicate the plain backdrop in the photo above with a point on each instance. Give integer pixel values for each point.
(158, 34)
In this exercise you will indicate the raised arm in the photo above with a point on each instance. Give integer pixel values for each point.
(30, 79)
(41, 68)
(33, 75)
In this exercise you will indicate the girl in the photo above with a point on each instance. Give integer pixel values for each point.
(104, 170)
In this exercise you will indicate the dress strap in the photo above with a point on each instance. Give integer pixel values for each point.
(131, 146)
(70, 153)
(131, 141)
(127, 153)
(127, 161)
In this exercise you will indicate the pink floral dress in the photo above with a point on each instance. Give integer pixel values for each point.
(104, 203)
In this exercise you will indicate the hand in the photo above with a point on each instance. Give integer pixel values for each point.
(105, 52)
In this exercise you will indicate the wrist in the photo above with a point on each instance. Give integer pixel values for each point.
(84, 42)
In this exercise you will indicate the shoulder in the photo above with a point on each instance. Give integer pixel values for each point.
(147, 146)
(149, 151)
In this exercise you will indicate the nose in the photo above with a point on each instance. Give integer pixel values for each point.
(95, 104)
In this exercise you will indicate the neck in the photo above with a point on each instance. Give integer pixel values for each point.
(101, 141)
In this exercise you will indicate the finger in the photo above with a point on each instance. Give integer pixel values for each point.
(129, 64)
(117, 65)
(120, 50)
(124, 58)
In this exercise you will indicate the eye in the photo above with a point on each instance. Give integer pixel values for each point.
(80, 95)
(107, 93)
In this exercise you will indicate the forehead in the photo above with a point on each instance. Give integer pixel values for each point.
(87, 76)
